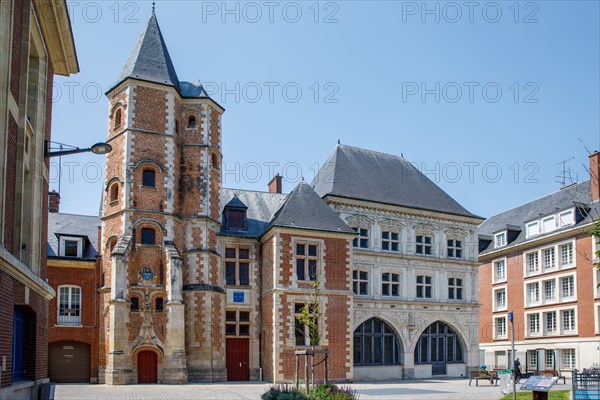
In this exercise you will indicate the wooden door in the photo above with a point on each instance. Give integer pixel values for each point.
(238, 359)
(147, 363)
(69, 362)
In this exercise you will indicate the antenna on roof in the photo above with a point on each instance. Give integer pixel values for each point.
(565, 173)
(153, 4)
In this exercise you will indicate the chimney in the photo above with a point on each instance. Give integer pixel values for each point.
(53, 201)
(275, 184)
(595, 176)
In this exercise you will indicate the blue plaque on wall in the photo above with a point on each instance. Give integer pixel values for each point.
(238, 297)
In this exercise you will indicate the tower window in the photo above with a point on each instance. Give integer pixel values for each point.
(159, 304)
(118, 118)
(148, 236)
(114, 192)
(135, 304)
(176, 126)
(191, 122)
(215, 161)
(148, 178)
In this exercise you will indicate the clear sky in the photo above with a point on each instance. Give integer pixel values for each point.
(486, 98)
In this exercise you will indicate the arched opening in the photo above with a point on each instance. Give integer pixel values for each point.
(148, 236)
(215, 161)
(118, 118)
(375, 343)
(438, 345)
(149, 178)
(147, 364)
(191, 122)
(114, 192)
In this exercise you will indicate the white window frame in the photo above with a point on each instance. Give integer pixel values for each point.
(554, 298)
(528, 331)
(535, 255)
(573, 329)
(573, 296)
(358, 280)
(457, 247)
(550, 227)
(495, 278)
(532, 360)
(553, 265)
(571, 216)
(546, 331)
(573, 262)
(529, 301)
(500, 239)
(532, 229)
(391, 283)
(497, 334)
(390, 241)
(572, 362)
(68, 320)
(457, 288)
(496, 290)
(61, 248)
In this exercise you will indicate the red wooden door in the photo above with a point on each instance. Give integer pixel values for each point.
(146, 367)
(238, 359)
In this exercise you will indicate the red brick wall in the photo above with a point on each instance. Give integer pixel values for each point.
(15, 62)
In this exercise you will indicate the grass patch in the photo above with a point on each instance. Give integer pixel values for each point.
(552, 395)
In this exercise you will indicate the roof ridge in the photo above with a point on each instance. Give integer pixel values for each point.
(372, 151)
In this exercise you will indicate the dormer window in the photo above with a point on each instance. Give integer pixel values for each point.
(533, 229)
(71, 246)
(234, 214)
(500, 239)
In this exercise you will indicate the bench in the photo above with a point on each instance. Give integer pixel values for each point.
(493, 378)
(551, 372)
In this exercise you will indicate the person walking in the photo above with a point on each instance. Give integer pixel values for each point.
(517, 370)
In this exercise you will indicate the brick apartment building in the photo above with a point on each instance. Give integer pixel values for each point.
(73, 272)
(538, 261)
(35, 43)
(202, 283)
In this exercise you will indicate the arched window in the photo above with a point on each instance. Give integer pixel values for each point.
(375, 343)
(159, 304)
(191, 122)
(118, 118)
(112, 243)
(148, 178)
(135, 304)
(69, 305)
(215, 161)
(148, 236)
(438, 345)
(114, 192)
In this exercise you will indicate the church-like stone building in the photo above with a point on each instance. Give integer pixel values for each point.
(202, 283)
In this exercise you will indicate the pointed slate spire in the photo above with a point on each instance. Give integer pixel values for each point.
(149, 60)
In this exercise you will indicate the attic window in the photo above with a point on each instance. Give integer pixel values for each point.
(500, 239)
(71, 246)
(191, 122)
(236, 219)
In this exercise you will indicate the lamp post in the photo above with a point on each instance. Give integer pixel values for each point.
(512, 355)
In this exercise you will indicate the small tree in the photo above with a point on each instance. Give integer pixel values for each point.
(310, 314)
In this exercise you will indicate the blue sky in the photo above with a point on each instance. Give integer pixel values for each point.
(486, 98)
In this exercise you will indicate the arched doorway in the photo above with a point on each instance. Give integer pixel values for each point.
(438, 345)
(147, 366)
(375, 343)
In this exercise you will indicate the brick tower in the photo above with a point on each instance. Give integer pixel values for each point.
(163, 306)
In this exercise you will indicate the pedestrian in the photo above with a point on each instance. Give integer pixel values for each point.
(517, 370)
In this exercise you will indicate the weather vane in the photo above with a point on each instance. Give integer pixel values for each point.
(153, 4)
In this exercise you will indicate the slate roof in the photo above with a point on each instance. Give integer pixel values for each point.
(85, 226)
(149, 60)
(570, 196)
(356, 173)
(235, 202)
(303, 208)
(261, 208)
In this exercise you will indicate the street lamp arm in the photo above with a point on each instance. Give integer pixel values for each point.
(98, 148)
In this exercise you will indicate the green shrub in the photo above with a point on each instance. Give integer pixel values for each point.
(333, 392)
(283, 392)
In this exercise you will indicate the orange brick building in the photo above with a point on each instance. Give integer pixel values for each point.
(538, 261)
(201, 283)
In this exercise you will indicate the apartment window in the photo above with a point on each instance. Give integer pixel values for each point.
(568, 320)
(566, 254)
(500, 239)
(237, 323)
(550, 322)
(500, 327)
(424, 244)
(533, 229)
(71, 246)
(455, 248)
(500, 270)
(500, 298)
(568, 358)
(148, 178)
(455, 288)
(148, 236)
(532, 359)
(360, 282)
(533, 293)
(548, 256)
(69, 305)
(567, 287)
(237, 266)
(533, 323)
(566, 218)
(549, 359)
(306, 261)
(424, 287)
(533, 264)
(549, 290)
(390, 241)
(362, 240)
(390, 284)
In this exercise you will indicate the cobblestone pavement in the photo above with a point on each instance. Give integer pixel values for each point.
(451, 389)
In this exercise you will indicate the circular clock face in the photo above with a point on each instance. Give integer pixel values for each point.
(147, 274)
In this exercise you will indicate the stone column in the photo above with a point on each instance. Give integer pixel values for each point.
(175, 360)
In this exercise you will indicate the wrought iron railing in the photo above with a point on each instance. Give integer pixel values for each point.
(586, 384)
